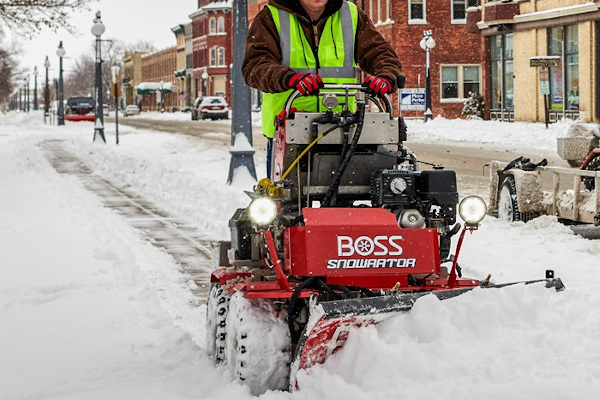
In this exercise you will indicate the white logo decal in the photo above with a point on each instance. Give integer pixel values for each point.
(365, 246)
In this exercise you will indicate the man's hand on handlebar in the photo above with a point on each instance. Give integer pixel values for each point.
(306, 84)
(377, 86)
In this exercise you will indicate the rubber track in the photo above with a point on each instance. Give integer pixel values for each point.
(176, 237)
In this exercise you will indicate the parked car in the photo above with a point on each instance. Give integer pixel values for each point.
(131, 109)
(195, 108)
(212, 107)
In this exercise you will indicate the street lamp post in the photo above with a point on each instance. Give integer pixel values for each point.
(115, 76)
(26, 93)
(35, 99)
(427, 43)
(97, 30)
(162, 96)
(204, 83)
(46, 91)
(61, 107)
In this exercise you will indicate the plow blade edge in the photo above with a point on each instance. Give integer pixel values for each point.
(330, 322)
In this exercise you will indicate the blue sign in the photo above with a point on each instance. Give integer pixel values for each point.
(412, 99)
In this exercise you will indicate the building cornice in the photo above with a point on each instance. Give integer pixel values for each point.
(557, 13)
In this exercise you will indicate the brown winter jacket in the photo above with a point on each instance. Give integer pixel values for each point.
(262, 67)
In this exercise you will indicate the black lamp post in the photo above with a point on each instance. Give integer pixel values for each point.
(97, 30)
(35, 99)
(61, 107)
(46, 91)
(205, 83)
(115, 74)
(26, 93)
(427, 43)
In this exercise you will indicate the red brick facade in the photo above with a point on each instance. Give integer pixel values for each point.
(454, 46)
(156, 67)
(212, 44)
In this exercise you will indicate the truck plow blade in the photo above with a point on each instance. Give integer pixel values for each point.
(330, 322)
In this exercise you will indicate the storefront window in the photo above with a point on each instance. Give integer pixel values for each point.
(564, 79)
(502, 72)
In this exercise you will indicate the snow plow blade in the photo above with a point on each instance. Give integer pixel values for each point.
(330, 322)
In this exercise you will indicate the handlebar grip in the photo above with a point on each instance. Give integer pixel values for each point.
(401, 81)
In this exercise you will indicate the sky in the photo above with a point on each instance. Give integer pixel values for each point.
(90, 310)
(127, 20)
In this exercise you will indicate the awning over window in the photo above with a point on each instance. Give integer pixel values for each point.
(179, 73)
(153, 87)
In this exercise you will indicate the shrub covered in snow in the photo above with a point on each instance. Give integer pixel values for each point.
(473, 105)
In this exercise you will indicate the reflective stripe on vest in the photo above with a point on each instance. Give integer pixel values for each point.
(297, 54)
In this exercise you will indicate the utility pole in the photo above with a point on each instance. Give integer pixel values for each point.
(241, 124)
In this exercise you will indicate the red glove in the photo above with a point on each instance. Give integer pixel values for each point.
(306, 83)
(377, 86)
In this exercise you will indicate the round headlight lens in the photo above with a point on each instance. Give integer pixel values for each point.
(262, 211)
(472, 209)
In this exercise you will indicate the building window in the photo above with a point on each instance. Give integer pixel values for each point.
(564, 79)
(416, 12)
(212, 26)
(213, 57)
(221, 56)
(221, 25)
(502, 72)
(459, 80)
(459, 11)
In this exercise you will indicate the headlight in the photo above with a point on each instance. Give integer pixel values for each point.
(262, 211)
(472, 209)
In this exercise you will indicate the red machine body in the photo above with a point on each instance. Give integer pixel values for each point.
(359, 247)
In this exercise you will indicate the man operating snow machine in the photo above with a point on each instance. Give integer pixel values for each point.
(349, 232)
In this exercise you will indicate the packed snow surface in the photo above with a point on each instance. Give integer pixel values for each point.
(90, 310)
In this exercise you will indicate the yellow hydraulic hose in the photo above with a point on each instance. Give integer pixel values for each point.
(292, 165)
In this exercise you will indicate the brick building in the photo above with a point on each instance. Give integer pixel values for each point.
(212, 44)
(567, 31)
(456, 61)
(181, 71)
(132, 62)
(158, 77)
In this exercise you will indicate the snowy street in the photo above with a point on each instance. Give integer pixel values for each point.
(92, 308)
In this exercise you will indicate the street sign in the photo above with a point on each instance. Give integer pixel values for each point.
(548, 61)
(412, 99)
(544, 81)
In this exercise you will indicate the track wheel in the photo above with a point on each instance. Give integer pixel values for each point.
(588, 181)
(508, 207)
(258, 344)
(216, 318)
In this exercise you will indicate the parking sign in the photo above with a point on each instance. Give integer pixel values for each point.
(412, 99)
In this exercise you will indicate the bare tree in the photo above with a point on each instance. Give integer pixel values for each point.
(30, 16)
(81, 77)
(8, 66)
(145, 46)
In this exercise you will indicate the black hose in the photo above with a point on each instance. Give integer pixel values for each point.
(335, 183)
(341, 288)
(294, 309)
(323, 286)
